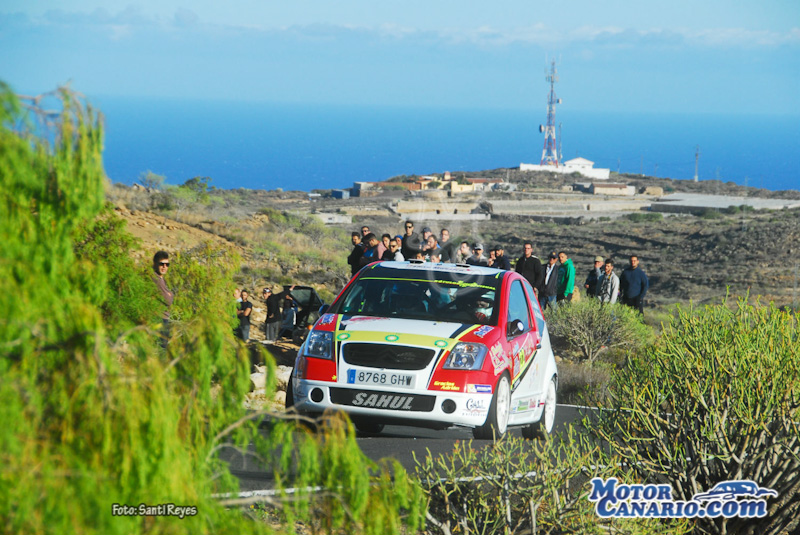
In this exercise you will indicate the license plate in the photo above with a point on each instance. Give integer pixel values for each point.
(378, 378)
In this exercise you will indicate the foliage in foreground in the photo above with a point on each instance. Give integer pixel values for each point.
(591, 328)
(517, 486)
(715, 399)
(95, 413)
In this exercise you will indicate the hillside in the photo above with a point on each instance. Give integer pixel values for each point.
(686, 257)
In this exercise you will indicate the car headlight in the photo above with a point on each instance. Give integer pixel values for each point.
(466, 356)
(319, 344)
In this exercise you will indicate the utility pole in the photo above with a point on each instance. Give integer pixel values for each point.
(696, 159)
(617, 165)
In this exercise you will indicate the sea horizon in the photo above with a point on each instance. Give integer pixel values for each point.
(307, 146)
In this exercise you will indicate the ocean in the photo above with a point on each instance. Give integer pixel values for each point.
(306, 147)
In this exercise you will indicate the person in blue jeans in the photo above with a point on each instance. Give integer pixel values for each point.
(548, 294)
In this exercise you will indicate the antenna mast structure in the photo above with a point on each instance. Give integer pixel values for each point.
(696, 159)
(550, 154)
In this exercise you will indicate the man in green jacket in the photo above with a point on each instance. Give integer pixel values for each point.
(566, 278)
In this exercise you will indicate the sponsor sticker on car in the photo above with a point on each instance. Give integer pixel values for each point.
(479, 389)
(382, 400)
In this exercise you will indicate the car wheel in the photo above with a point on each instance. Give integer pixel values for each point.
(290, 391)
(544, 426)
(369, 428)
(497, 419)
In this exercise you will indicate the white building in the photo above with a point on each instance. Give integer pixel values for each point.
(576, 165)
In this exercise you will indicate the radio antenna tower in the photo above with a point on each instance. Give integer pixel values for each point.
(550, 154)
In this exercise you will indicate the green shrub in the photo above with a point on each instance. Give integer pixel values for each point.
(94, 415)
(641, 217)
(710, 213)
(715, 399)
(523, 486)
(591, 329)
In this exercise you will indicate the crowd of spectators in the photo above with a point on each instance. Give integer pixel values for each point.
(553, 280)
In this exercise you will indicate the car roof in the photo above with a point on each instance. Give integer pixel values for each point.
(440, 267)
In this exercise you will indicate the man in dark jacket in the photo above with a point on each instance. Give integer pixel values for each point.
(448, 247)
(273, 321)
(355, 255)
(549, 292)
(594, 275)
(530, 267)
(500, 259)
(412, 244)
(633, 285)
(245, 309)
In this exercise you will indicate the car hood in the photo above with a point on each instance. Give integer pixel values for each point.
(440, 329)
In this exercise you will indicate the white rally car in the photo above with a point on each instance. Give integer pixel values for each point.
(431, 345)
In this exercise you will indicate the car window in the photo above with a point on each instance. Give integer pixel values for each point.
(518, 306)
(430, 296)
(537, 312)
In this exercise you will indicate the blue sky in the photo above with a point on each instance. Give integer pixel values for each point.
(679, 56)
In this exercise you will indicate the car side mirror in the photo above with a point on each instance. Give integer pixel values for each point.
(514, 328)
(323, 309)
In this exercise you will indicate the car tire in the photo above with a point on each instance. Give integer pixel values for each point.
(290, 391)
(499, 412)
(544, 427)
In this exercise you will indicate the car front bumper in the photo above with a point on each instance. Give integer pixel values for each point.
(424, 406)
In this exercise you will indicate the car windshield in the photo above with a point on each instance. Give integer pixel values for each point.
(423, 295)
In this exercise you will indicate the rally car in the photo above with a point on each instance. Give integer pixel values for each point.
(431, 345)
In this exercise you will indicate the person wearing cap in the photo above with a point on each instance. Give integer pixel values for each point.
(500, 258)
(566, 277)
(608, 284)
(590, 283)
(549, 292)
(426, 232)
(477, 258)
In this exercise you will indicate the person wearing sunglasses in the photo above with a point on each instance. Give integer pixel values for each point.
(412, 243)
(160, 267)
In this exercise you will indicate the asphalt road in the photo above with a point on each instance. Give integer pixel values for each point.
(398, 442)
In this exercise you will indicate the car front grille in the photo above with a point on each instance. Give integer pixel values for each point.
(387, 356)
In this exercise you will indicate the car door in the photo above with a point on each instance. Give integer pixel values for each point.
(521, 342)
(539, 365)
